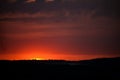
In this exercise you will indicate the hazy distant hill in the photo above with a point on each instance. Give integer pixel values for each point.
(60, 70)
(99, 61)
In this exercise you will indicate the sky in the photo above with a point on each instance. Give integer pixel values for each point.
(59, 29)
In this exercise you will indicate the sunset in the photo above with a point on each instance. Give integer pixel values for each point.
(59, 39)
(58, 29)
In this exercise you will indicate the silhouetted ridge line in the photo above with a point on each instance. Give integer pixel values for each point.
(92, 62)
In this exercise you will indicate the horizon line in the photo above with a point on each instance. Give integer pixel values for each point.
(54, 59)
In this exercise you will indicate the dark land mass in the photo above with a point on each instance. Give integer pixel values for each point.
(98, 69)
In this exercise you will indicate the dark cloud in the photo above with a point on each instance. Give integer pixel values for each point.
(100, 7)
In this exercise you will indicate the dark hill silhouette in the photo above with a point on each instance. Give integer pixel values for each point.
(103, 68)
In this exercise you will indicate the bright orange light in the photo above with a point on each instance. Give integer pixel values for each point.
(44, 54)
(37, 59)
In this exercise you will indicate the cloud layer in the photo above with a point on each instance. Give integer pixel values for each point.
(99, 7)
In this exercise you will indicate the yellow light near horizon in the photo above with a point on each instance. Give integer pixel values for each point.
(37, 59)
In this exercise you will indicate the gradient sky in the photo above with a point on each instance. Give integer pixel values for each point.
(59, 29)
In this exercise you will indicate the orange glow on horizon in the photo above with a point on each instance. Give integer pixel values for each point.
(34, 53)
(50, 56)
(37, 58)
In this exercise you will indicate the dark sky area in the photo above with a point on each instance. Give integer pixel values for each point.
(59, 29)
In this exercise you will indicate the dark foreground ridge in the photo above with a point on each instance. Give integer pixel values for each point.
(104, 68)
